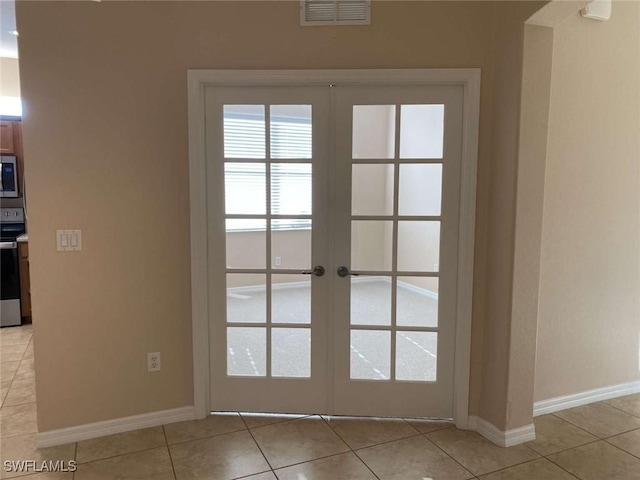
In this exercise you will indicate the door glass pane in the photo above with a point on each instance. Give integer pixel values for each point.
(371, 245)
(372, 189)
(246, 298)
(417, 302)
(420, 189)
(291, 298)
(247, 351)
(421, 131)
(418, 246)
(244, 131)
(244, 188)
(290, 131)
(291, 352)
(246, 243)
(370, 355)
(371, 300)
(291, 243)
(374, 131)
(291, 188)
(416, 356)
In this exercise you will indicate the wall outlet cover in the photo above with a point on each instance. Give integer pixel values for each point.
(153, 362)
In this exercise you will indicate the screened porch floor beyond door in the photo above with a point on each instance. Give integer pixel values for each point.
(416, 351)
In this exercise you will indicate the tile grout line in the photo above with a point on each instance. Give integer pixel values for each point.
(619, 409)
(594, 434)
(348, 446)
(18, 366)
(75, 459)
(199, 438)
(570, 448)
(510, 466)
(122, 454)
(581, 428)
(447, 453)
(244, 477)
(302, 417)
(256, 442)
(572, 424)
(597, 439)
(386, 443)
(327, 456)
(166, 444)
(2, 405)
(621, 449)
(561, 467)
(309, 461)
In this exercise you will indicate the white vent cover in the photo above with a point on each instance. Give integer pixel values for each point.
(597, 10)
(335, 12)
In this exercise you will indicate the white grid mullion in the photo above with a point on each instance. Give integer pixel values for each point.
(385, 328)
(381, 273)
(394, 244)
(415, 218)
(358, 161)
(267, 124)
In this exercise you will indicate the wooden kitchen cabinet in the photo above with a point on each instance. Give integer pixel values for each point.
(6, 137)
(25, 284)
(11, 144)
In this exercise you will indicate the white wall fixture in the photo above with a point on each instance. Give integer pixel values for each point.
(69, 240)
(335, 12)
(153, 362)
(597, 10)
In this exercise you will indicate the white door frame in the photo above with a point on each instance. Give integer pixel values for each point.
(469, 79)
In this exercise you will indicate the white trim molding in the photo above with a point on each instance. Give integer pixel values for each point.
(502, 438)
(583, 398)
(109, 427)
(468, 79)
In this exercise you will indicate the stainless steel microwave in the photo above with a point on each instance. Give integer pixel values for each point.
(9, 177)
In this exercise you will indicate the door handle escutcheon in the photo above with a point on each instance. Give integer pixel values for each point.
(344, 272)
(318, 271)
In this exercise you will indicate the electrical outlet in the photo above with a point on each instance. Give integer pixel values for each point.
(153, 362)
(278, 261)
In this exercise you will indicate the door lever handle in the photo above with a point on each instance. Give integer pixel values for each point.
(318, 271)
(344, 272)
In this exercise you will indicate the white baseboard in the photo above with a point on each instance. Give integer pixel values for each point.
(502, 438)
(109, 427)
(583, 398)
(419, 290)
(365, 279)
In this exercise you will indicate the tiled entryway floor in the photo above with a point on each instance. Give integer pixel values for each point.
(600, 441)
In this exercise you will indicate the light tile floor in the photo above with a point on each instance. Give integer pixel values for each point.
(595, 442)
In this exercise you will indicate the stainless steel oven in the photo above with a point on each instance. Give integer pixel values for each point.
(8, 176)
(11, 227)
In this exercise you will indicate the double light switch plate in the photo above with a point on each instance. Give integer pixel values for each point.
(69, 240)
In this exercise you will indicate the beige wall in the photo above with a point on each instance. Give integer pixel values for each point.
(589, 312)
(9, 77)
(532, 150)
(106, 138)
(499, 232)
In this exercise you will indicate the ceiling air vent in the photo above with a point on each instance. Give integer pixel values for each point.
(335, 12)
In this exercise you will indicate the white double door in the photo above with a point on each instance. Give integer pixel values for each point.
(333, 232)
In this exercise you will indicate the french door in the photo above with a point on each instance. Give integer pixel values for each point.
(332, 216)
(397, 178)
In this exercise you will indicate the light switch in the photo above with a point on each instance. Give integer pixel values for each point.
(69, 240)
